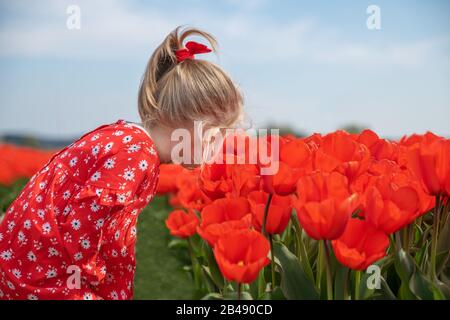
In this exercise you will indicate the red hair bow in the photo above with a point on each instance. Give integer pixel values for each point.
(192, 48)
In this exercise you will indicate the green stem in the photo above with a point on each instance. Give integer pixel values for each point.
(346, 277)
(329, 274)
(239, 291)
(272, 262)
(357, 284)
(302, 254)
(266, 212)
(434, 240)
(195, 265)
(319, 264)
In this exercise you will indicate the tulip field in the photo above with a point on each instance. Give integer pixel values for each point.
(346, 216)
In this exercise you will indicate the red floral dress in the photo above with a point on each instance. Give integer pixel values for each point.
(71, 232)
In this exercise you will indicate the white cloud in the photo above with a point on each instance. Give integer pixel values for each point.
(123, 30)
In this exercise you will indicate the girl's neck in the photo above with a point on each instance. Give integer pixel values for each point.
(161, 137)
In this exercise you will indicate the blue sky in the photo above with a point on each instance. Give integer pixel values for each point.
(311, 65)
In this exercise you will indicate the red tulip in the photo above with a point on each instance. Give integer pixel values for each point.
(241, 254)
(214, 180)
(395, 200)
(189, 194)
(340, 152)
(167, 178)
(360, 245)
(324, 204)
(182, 224)
(278, 215)
(283, 183)
(379, 148)
(295, 161)
(222, 216)
(429, 160)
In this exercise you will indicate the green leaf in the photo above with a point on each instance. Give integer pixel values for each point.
(178, 244)
(443, 244)
(276, 294)
(444, 288)
(234, 296)
(295, 284)
(212, 296)
(213, 268)
(423, 288)
(405, 267)
(341, 281)
(386, 292)
(404, 264)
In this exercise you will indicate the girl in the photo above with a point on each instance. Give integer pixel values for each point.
(71, 232)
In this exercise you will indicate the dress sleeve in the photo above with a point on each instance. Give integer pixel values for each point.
(113, 183)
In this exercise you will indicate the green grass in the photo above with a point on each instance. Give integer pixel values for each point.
(160, 271)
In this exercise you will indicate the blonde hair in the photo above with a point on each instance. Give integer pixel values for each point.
(174, 93)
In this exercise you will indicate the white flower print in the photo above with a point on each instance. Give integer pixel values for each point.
(42, 185)
(143, 165)
(95, 150)
(99, 223)
(46, 228)
(121, 198)
(133, 231)
(78, 256)
(114, 295)
(37, 245)
(67, 210)
(6, 255)
(10, 285)
(51, 273)
(76, 224)
(128, 174)
(39, 199)
(85, 244)
(134, 148)
(66, 194)
(73, 161)
(41, 213)
(87, 296)
(52, 252)
(21, 237)
(117, 235)
(11, 225)
(118, 133)
(95, 206)
(95, 137)
(109, 163)
(123, 251)
(109, 146)
(109, 277)
(32, 297)
(96, 176)
(127, 139)
(123, 294)
(1, 236)
(114, 253)
(31, 256)
(16, 273)
(25, 206)
(27, 224)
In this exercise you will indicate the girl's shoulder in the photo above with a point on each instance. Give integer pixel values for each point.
(110, 150)
(117, 138)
